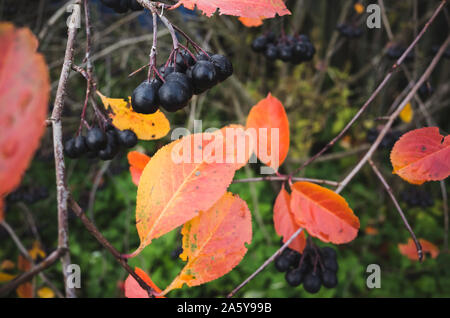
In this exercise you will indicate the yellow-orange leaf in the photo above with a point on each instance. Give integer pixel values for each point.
(182, 179)
(36, 251)
(25, 290)
(359, 8)
(45, 292)
(214, 242)
(268, 119)
(422, 155)
(5, 277)
(137, 161)
(134, 290)
(7, 265)
(24, 94)
(410, 251)
(406, 115)
(284, 221)
(251, 22)
(146, 127)
(323, 213)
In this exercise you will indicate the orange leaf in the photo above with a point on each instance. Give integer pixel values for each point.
(137, 161)
(241, 8)
(180, 180)
(214, 242)
(284, 221)
(251, 22)
(410, 251)
(146, 127)
(24, 94)
(422, 155)
(23, 264)
(265, 118)
(25, 290)
(370, 230)
(323, 213)
(134, 290)
(237, 145)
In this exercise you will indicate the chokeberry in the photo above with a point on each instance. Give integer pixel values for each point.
(330, 263)
(181, 78)
(281, 263)
(204, 75)
(312, 282)
(294, 277)
(271, 52)
(224, 68)
(127, 138)
(328, 252)
(80, 145)
(173, 96)
(285, 52)
(95, 139)
(259, 43)
(69, 148)
(144, 99)
(184, 60)
(329, 279)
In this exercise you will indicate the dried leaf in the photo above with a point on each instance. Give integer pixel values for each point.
(323, 213)
(180, 180)
(240, 8)
(265, 118)
(146, 127)
(24, 94)
(284, 221)
(214, 242)
(25, 290)
(422, 155)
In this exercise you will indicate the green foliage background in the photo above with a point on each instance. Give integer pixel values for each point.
(318, 110)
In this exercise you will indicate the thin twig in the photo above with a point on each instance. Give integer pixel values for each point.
(285, 178)
(266, 263)
(375, 93)
(399, 209)
(106, 244)
(393, 116)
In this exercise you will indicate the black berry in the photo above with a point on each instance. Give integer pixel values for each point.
(294, 277)
(173, 96)
(224, 68)
(145, 97)
(312, 282)
(127, 138)
(329, 279)
(95, 139)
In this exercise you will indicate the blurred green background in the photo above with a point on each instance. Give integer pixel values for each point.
(319, 102)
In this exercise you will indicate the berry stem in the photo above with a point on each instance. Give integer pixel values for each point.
(153, 53)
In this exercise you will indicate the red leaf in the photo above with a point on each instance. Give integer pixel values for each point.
(422, 155)
(265, 118)
(214, 242)
(134, 290)
(182, 179)
(284, 221)
(137, 161)
(240, 8)
(410, 251)
(323, 213)
(24, 93)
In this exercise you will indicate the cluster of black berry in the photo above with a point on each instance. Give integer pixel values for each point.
(388, 140)
(28, 194)
(350, 31)
(122, 6)
(97, 143)
(294, 49)
(417, 197)
(189, 75)
(395, 51)
(314, 268)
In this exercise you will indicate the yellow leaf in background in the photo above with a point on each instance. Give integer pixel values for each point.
(406, 115)
(45, 292)
(7, 265)
(146, 127)
(5, 277)
(359, 8)
(36, 251)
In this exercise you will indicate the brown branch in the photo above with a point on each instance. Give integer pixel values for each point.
(61, 186)
(46, 263)
(399, 209)
(377, 90)
(106, 244)
(393, 116)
